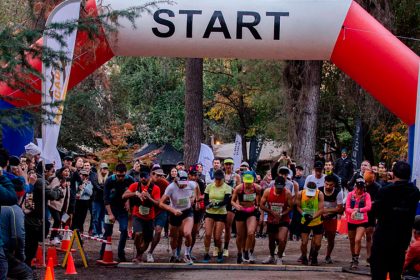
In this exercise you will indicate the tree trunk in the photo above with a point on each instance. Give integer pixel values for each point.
(303, 82)
(193, 129)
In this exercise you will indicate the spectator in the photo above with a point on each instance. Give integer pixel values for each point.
(364, 166)
(33, 212)
(299, 177)
(395, 208)
(83, 195)
(135, 171)
(210, 175)
(7, 197)
(98, 200)
(172, 175)
(318, 177)
(343, 167)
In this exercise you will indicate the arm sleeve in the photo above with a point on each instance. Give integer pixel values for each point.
(206, 199)
(7, 192)
(225, 200)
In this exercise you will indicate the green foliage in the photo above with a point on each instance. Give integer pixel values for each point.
(155, 98)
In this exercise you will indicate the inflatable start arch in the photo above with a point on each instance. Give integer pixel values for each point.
(336, 30)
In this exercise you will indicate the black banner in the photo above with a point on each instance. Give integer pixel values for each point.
(255, 147)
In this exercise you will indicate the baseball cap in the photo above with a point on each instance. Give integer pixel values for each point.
(69, 158)
(180, 163)
(183, 177)
(318, 165)
(280, 183)
(14, 161)
(360, 182)
(219, 174)
(159, 171)
(228, 161)
(144, 174)
(84, 172)
(248, 177)
(310, 189)
(104, 165)
(156, 166)
(344, 150)
(300, 167)
(244, 163)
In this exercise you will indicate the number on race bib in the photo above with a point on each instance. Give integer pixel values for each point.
(144, 210)
(359, 216)
(183, 202)
(249, 197)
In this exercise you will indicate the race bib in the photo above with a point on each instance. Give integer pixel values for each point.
(249, 197)
(183, 202)
(358, 216)
(277, 209)
(144, 210)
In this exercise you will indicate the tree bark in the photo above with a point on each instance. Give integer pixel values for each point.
(193, 128)
(303, 82)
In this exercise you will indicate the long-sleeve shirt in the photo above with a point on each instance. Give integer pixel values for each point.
(114, 189)
(363, 208)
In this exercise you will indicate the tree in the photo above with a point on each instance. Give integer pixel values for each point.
(193, 129)
(303, 81)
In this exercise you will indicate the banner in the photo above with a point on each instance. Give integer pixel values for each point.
(206, 158)
(54, 87)
(237, 152)
(357, 151)
(255, 148)
(416, 156)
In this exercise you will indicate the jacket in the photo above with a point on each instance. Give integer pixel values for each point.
(344, 169)
(13, 231)
(62, 202)
(7, 195)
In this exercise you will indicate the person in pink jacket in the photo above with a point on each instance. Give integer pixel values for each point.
(358, 204)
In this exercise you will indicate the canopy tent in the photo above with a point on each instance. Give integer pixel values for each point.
(167, 155)
(271, 150)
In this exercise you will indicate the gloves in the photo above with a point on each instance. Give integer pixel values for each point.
(308, 217)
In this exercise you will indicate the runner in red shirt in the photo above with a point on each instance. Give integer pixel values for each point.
(144, 196)
(277, 202)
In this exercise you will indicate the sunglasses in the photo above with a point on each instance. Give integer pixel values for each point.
(121, 176)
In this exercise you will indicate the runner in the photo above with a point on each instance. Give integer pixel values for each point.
(310, 204)
(372, 189)
(329, 170)
(277, 202)
(317, 177)
(180, 193)
(216, 196)
(357, 205)
(265, 184)
(232, 179)
(245, 199)
(158, 178)
(333, 205)
(144, 196)
(114, 188)
(198, 206)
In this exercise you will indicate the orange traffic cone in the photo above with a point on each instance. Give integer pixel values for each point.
(52, 254)
(50, 266)
(343, 226)
(38, 261)
(107, 259)
(70, 269)
(49, 274)
(65, 243)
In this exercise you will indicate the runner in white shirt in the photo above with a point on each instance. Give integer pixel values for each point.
(318, 177)
(181, 193)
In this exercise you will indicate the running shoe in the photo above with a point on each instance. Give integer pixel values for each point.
(219, 257)
(279, 261)
(188, 260)
(328, 260)
(245, 257)
(239, 259)
(225, 253)
(252, 258)
(150, 258)
(314, 261)
(207, 258)
(173, 259)
(215, 252)
(304, 260)
(269, 260)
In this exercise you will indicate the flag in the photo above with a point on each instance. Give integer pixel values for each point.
(206, 158)
(54, 86)
(255, 148)
(237, 152)
(357, 151)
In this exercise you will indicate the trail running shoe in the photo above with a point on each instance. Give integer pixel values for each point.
(188, 260)
(219, 257)
(150, 258)
(225, 253)
(269, 260)
(207, 258)
(279, 261)
(328, 260)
